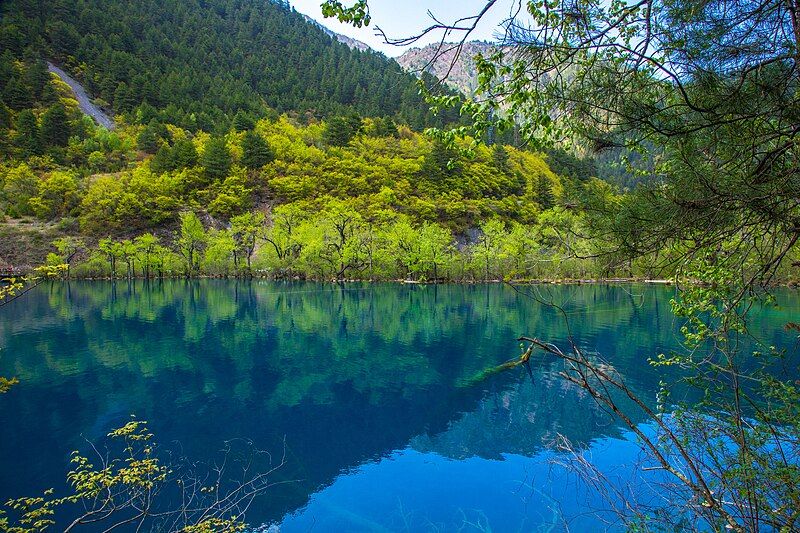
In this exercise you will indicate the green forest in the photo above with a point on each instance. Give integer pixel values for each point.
(342, 198)
(223, 164)
(197, 64)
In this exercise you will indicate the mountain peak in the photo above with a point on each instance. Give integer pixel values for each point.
(354, 44)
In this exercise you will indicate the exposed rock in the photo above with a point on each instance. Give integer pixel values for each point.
(463, 76)
(355, 44)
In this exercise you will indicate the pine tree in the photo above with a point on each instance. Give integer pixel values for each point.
(49, 94)
(163, 160)
(124, 98)
(500, 159)
(384, 127)
(339, 131)
(55, 128)
(355, 122)
(147, 140)
(17, 95)
(37, 78)
(27, 135)
(390, 128)
(184, 154)
(63, 36)
(216, 158)
(256, 151)
(145, 113)
(5, 116)
(441, 164)
(544, 193)
(242, 121)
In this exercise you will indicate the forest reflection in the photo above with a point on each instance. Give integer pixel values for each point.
(343, 374)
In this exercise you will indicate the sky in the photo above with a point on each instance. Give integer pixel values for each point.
(404, 18)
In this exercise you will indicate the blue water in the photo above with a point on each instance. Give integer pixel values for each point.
(369, 390)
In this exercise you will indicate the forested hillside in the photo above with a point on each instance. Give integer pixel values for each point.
(248, 139)
(200, 62)
(205, 175)
(344, 197)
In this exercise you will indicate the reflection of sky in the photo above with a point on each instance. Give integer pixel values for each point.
(401, 19)
(418, 491)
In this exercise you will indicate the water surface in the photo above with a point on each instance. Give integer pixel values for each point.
(369, 388)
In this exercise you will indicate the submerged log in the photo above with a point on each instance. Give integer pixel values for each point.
(512, 363)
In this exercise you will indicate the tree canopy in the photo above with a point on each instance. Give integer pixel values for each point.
(200, 64)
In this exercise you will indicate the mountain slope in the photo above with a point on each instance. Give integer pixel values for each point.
(354, 44)
(84, 102)
(203, 60)
(462, 76)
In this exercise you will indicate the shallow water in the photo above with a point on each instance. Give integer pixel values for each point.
(369, 388)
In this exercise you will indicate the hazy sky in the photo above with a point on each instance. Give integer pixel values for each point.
(404, 18)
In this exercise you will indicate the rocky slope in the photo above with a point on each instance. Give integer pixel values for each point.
(463, 75)
(354, 44)
(85, 102)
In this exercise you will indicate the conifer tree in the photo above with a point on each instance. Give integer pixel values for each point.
(544, 193)
(242, 121)
(184, 154)
(16, 94)
(147, 140)
(440, 165)
(37, 78)
(124, 98)
(55, 129)
(500, 159)
(5, 116)
(145, 113)
(27, 136)
(256, 151)
(49, 94)
(163, 160)
(216, 158)
(340, 130)
(390, 128)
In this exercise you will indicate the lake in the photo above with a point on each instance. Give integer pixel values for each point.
(369, 390)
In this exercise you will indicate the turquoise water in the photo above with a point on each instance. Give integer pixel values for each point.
(369, 389)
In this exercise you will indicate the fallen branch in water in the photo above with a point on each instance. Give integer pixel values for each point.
(512, 363)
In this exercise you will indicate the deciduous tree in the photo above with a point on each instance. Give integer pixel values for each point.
(190, 241)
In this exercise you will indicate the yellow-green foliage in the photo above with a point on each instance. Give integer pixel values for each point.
(402, 173)
(137, 198)
(391, 173)
(215, 525)
(400, 205)
(121, 486)
(6, 384)
(102, 180)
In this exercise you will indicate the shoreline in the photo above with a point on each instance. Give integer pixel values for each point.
(522, 282)
(535, 281)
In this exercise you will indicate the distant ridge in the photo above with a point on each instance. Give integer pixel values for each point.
(463, 75)
(354, 44)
